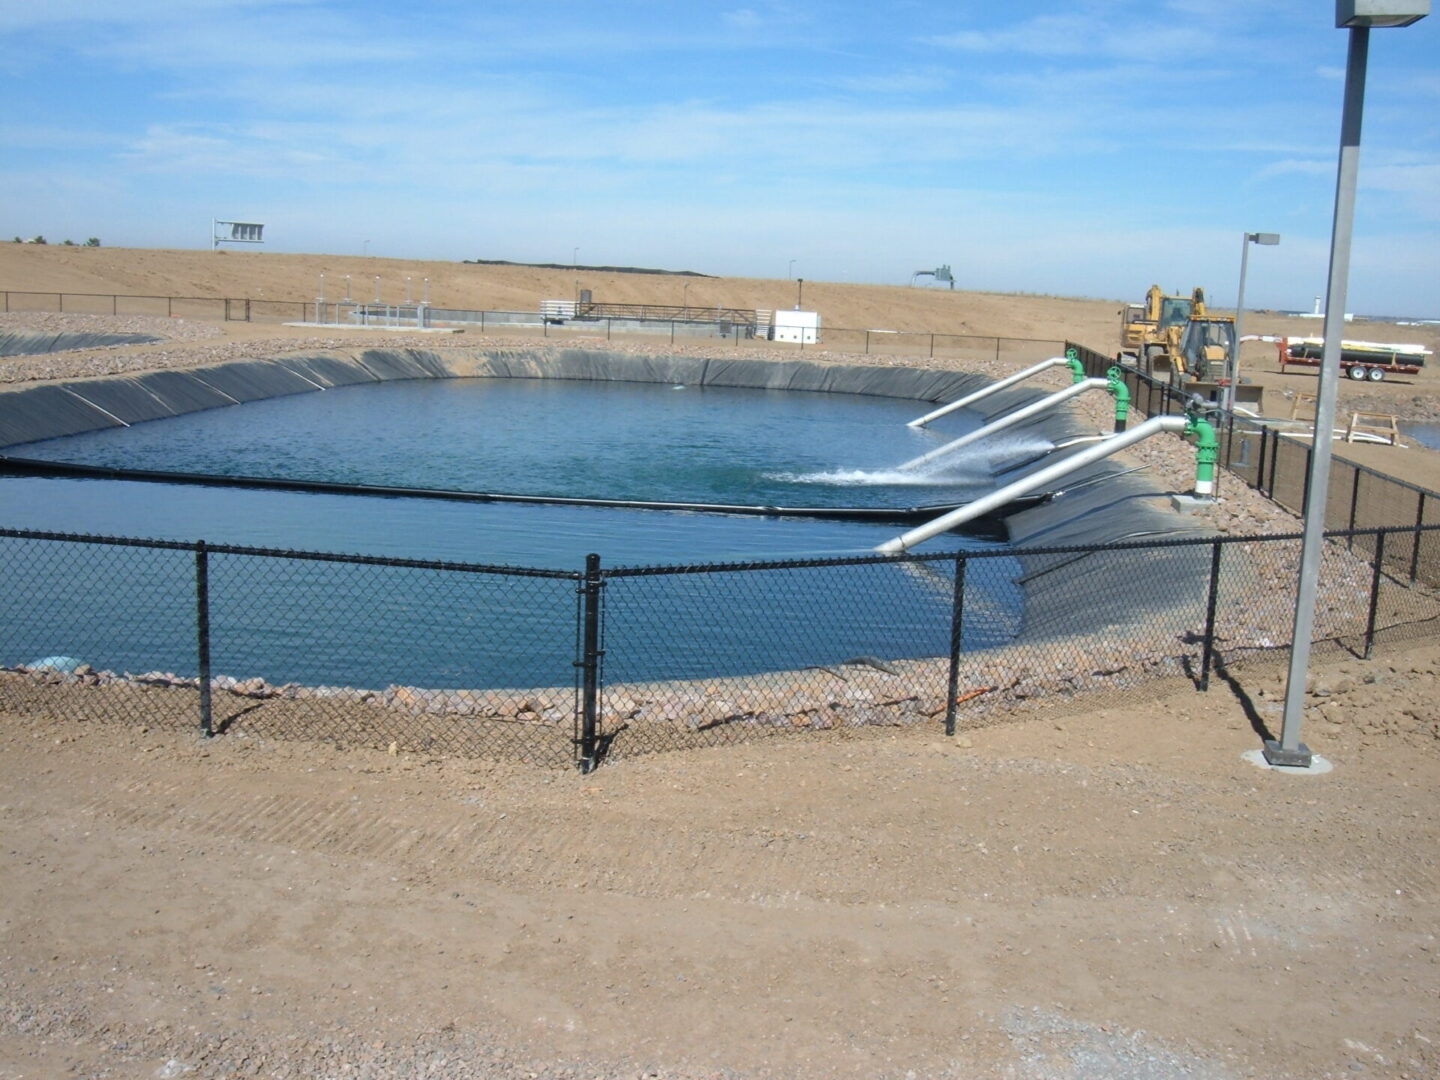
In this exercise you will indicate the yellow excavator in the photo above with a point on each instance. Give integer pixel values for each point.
(1143, 327)
(1176, 337)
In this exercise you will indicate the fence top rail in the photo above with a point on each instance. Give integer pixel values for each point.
(136, 296)
(1132, 544)
(283, 553)
(1136, 544)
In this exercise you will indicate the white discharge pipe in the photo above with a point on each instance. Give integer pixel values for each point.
(970, 399)
(1009, 419)
(996, 499)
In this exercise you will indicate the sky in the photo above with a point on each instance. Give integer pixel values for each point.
(1087, 148)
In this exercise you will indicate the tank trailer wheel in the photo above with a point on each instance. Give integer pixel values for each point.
(1376, 374)
(1356, 372)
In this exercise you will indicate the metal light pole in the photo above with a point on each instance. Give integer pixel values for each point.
(1268, 238)
(1357, 16)
(799, 292)
(790, 270)
(575, 256)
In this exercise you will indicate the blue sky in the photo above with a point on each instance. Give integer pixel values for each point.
(1082, 148)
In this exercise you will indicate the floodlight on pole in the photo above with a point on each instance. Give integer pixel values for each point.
(1357, 16)
(1267, 238)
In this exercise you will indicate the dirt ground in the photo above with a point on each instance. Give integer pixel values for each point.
(1088, 891)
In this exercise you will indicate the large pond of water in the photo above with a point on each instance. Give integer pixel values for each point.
(291, 620)
(633, 441)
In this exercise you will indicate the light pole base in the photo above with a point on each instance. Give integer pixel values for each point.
(1299, 758)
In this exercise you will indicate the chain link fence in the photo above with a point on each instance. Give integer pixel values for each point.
(1276, 461)
(897, 343)
(560, 667)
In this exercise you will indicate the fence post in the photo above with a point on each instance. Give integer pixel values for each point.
(932, 345)
(1375, 591)
(482, 322)
(114, 304)
(202, 632)
(1260, 464)
(1305, 491)
(1210, 604)
(590, 664)
(957, 626)
(1274, 461)
(608, 324)
(672, 331)
(1354, 508)
(1415, 551)
(867, 342)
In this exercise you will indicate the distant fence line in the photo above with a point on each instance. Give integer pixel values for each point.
(532, 323)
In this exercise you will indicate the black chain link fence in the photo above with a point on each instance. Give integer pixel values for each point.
(559, 667)
(1275, 461)
(421, 656)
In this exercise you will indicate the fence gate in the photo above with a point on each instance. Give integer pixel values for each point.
(237, 310)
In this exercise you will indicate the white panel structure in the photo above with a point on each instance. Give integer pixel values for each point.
(802, 327)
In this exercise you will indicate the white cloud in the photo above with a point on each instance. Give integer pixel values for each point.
(73, 13)
(930, 80)
(1086, 35)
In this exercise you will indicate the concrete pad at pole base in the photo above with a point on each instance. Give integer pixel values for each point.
(1318, 764)
(1189, 504)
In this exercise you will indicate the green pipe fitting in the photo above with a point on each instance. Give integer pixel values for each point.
(1115, 384)
(1207, 452)
(1077, 369)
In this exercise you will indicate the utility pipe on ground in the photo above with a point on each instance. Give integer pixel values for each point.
(980, 507)
(1009, 419)
(1019, 376)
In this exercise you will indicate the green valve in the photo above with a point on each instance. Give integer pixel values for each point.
(1207, 451)
(1115, 384)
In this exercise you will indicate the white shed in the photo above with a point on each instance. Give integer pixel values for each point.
(796, 326)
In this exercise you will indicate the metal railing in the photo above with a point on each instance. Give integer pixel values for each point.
(916, 343)
(557, 666)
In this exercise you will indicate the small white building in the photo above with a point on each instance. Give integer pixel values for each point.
(802, 327)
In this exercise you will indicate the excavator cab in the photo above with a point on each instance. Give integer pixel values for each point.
(1147, 329)
(1175, 311)
(1206, 347)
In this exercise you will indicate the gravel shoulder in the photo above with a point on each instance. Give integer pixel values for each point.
(1076, 893)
